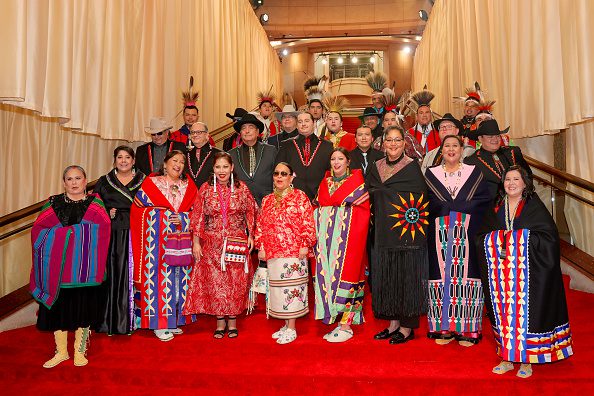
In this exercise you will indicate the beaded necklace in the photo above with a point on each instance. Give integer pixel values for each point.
(458, 173)
(194, 176)
(311, 157)
(509, 217)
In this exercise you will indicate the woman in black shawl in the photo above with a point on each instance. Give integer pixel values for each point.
(458, 198)
(520, 266)
(399, 264)
(117, 189)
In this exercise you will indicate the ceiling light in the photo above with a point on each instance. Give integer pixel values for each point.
(285, 52)
(264, 18)
(339, 60)
(406, 49)
(423, 15)
(324, 61)
(275, 43)
(354, 59)
(418, 38)
(372, 59)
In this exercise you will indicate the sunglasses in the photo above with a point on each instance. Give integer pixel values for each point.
(281, 173)
(158, 133)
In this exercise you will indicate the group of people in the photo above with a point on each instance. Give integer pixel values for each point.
(432, 224)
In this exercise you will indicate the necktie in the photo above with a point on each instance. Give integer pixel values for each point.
(364, 165)
(307, 149)
(252, 153)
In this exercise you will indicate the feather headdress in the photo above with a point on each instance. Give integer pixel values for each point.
(287, 99)
(486, 106)
(423, 98)
(311, 82)
(189, 98)
(268, 96)
(474, 94)
(377, 81)
(335, 104)
(389, 100)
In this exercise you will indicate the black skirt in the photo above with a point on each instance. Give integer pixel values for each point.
(115, 314)
(75, 307)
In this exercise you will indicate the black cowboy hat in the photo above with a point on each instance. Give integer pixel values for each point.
(487, 128)
(237, 114)
(449, 117)
(370, 111)
(248, 118)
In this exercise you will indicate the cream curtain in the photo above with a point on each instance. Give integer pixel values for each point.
(534, 57)
(83, 76)
(106, 67)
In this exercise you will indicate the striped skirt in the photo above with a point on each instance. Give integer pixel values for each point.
(287, 293)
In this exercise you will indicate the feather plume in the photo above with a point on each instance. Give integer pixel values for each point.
(311, 82)
(423, 98)
(486, 106)
(335, 104)
(189, 98)
(406, 105)
(377, 81)
(389, 100)
(266, 96)
(314, 93)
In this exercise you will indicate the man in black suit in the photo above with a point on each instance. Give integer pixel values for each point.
(493, 158)
(200, 158)
(308, 156)
(288, 122)
(253, 160)
(150, 156)
(363, 155)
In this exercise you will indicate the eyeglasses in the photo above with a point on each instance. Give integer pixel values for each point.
(196, 132)
(393, 140)
(281, 173)
(158, 133)
(446, 127)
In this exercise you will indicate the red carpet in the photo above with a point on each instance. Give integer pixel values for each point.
(255, 364)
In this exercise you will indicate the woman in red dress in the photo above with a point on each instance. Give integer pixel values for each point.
(224, 215)
(284, 235)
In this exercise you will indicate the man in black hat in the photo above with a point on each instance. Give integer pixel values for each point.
(235, 139)
(493, 158)
(253, 160)
(308, 156)
(371, 118)
(200, 159)
(448, 125)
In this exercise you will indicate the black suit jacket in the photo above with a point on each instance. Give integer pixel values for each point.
(308, 178)
(277, 139)
(357, 158)
(260, 183)
(143, 163)
(200, 172)
(484, 160)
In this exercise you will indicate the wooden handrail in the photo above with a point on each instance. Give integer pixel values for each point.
(583, 183)
(559, 187)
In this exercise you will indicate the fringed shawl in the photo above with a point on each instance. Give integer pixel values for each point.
(72, 256)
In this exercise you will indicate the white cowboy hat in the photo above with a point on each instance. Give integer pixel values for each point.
(158, 124)
(287, 110)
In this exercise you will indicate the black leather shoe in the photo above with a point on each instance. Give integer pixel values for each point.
(385, 334)
(399, 338)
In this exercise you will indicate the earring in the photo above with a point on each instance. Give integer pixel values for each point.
(214, 183)
(232, 182)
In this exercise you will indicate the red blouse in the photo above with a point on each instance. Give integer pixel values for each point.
(282, 231)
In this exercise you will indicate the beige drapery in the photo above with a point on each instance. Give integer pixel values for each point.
(106, 66)
(102, 68)
(534, 57)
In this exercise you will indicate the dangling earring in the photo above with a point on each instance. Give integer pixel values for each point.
(133, 171)
(214, 183)
(332, 172)
(232, 182)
